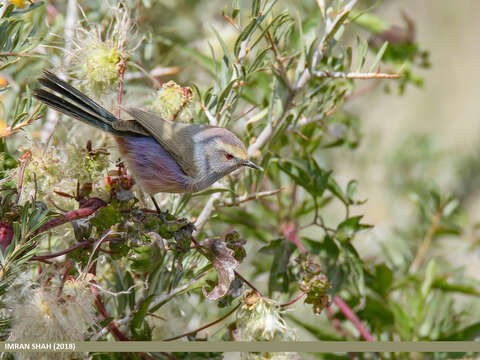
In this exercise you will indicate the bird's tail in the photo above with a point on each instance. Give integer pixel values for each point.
(75, 104)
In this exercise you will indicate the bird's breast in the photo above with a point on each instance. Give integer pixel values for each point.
(152, 167)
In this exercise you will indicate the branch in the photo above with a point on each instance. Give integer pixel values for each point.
(20, 180)
(205, 214)
(205, 326)
(7, 54)
(89, 207)
(427, 240)
(249, 197)
(365, 76)
(290, 233)
(269, 130)
(121, 74)
(112, 326)
(167, 297)
(301, 295)
(211, 119)
(63, 252)
(350, 315)
(106, 329)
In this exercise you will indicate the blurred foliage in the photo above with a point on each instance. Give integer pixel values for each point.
(278, 74)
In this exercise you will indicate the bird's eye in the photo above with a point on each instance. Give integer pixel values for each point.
(228, 156)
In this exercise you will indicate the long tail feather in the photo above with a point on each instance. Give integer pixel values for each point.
(53, 82)
(76, 104)
(70, 109)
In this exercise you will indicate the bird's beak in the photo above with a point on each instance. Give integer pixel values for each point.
(252, 165)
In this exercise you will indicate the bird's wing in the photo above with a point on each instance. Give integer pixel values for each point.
(131, 126)
(176, 138)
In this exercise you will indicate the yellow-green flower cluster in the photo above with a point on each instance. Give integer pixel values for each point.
(101, 52)
(172, 101)
(101, 67)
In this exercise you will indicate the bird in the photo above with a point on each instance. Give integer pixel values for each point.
(162, 155)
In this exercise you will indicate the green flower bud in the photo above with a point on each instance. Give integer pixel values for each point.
(171, 100)
(101, 66)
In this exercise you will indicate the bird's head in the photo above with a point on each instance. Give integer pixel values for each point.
(223, 152)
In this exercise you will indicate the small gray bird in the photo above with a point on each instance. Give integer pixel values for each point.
(163, 156)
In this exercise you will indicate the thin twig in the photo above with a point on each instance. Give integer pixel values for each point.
(301, 295)
(121, 74)
(290, 233)
(350, 315)
(64, 278)
(248, 197)
(335, 322)
(112, 326)
(168, 296)
(365, 76)
(89, 207)
(248, 283)
(106, 329)
(8, 54)
(205, 213)
(205, 326)
(211, 119)
(63, 252)
(20, 179)
(427, 240)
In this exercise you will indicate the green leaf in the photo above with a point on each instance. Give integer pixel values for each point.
(429, 276)
(255, 8)
(139, 317)
(316, 330)
(382, 280)
(227, 56)
(376, 312)
(362, 46)
(378, 58)
(279, 279)
(471, 332)
(206, 62)
(351, 190)
(369, 21)
(351, 226)
(106, 217)
(444, 285)
(336, 190)
(355, 268)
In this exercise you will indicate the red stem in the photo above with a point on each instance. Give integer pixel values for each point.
(302, 294)
(121, 73)
(89, 207)
(194, 332)
(101, 308)
(350, 315)
(63, 252)
(335, 322)
(290, 232)
(64, 278)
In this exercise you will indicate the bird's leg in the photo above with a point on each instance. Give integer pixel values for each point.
(156, 204)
